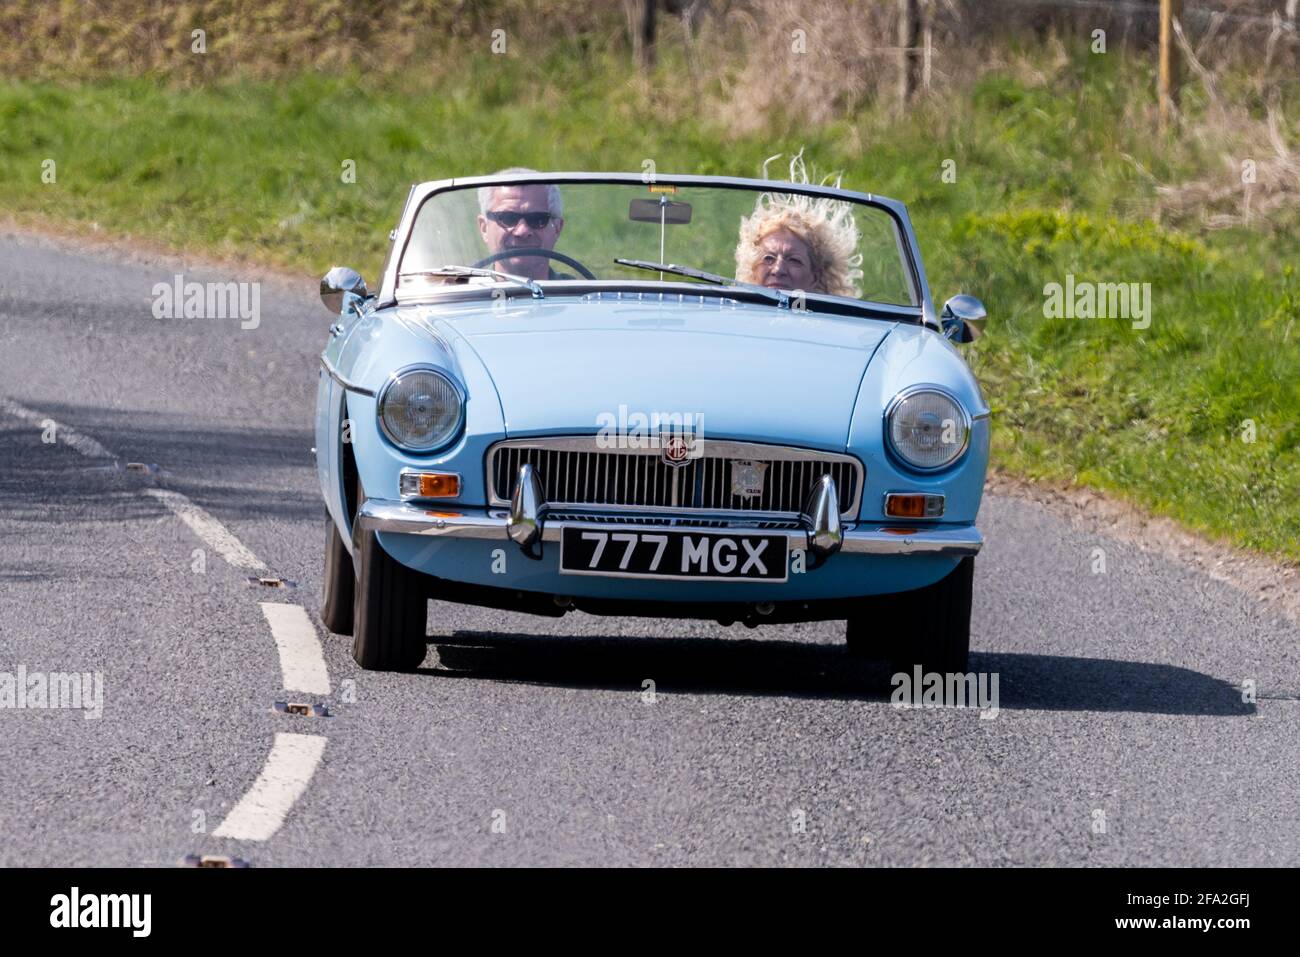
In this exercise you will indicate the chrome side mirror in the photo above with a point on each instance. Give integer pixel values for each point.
(963, 319)
(342, 290)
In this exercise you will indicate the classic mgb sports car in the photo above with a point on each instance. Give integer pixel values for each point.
(623, 394)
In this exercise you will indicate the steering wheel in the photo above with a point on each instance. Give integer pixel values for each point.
(536, 251)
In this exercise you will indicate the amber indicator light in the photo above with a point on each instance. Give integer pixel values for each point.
(434, 485)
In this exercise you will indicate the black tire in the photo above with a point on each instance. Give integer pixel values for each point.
(340, 582)
(929, 626)
(390, 611)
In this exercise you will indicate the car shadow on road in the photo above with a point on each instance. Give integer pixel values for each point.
(766, 667)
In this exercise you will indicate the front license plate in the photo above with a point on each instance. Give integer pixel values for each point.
(715, 556)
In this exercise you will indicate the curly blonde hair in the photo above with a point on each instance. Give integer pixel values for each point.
(826, 225)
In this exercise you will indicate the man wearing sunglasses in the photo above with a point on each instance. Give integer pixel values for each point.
(518, 217)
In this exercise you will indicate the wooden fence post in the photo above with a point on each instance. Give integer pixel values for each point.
(909, 32)
(1169, 66)
(649, 23)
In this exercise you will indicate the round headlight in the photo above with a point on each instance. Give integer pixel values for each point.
(420, 409)
(927, 429)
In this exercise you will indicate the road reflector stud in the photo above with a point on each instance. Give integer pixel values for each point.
(301, 708)
(213, 860)
(272, 582)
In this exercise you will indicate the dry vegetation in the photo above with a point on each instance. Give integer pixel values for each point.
(265, 38)
(1259, 176)
(749, 65)
(822, 60)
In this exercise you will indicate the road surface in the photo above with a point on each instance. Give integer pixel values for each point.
(1122, 736)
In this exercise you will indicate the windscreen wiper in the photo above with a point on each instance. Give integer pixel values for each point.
(780, 298)
(529, 284)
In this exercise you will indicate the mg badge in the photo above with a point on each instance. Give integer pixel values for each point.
(747, 478)
(677, 448)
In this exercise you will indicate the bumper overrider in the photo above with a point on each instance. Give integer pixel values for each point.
(818, 531)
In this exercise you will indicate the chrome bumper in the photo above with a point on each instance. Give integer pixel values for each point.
(864, 538)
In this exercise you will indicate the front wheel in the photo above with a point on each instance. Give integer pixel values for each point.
(928, 626)
(340, 583)
(390, 611)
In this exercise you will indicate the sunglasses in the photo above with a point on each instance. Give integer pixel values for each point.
(508, 220)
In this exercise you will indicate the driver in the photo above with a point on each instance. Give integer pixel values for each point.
(518, 217)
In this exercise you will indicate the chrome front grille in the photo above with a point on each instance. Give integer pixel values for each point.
(577, 472)
(685, 521)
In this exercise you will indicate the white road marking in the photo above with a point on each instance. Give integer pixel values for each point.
(294, 757)
(289, 767)
(209, 529)
(301, 658)
(62, 433)
(200, 522)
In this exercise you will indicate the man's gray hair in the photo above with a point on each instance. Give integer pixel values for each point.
(554, 201)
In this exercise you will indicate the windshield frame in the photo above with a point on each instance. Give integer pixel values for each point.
(910, 257)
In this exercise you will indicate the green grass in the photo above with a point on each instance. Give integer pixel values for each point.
(1048, 184)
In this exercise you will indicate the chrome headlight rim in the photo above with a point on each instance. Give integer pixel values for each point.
(382, 396)
(967, 424)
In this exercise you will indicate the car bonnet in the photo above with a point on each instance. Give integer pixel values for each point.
(747, 372)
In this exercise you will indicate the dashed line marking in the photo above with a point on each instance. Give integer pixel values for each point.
(302, 661)
(294, 757)
(62, 433)
(284, 778)
(209, 529)
(200, 522)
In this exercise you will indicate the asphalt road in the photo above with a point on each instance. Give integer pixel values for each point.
(1122, 736)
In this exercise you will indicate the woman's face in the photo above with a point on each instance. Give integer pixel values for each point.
(784, 262)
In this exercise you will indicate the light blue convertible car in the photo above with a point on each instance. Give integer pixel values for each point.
(634, 394)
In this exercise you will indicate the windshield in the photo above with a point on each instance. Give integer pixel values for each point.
(557, 232)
